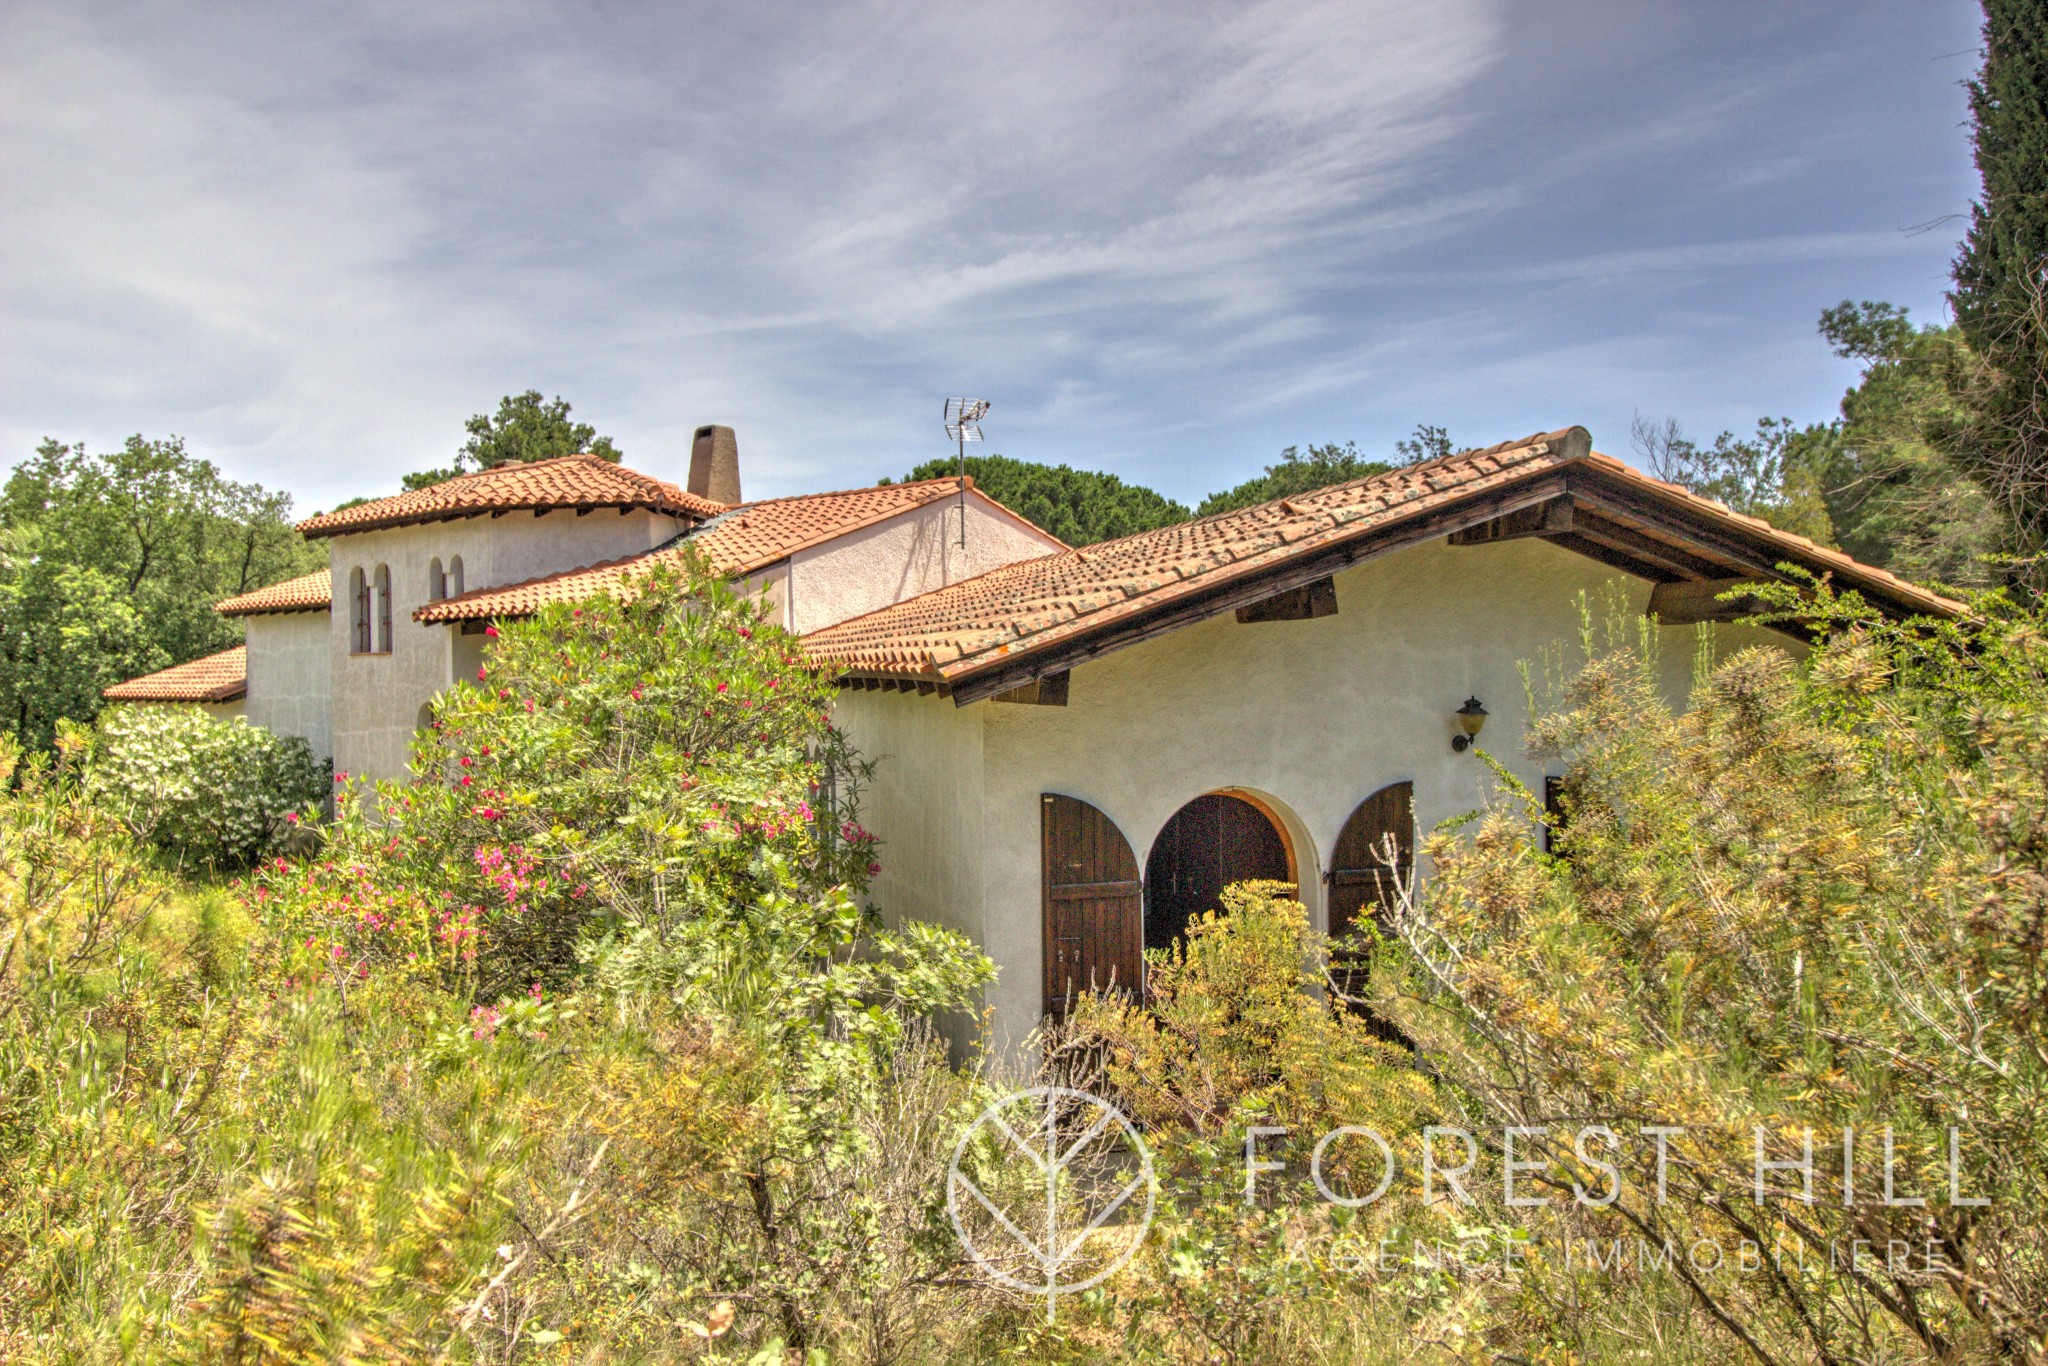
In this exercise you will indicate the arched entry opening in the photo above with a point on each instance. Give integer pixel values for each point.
(1215, 840)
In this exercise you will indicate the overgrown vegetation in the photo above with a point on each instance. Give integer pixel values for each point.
(585, 1047)
(583, 1043)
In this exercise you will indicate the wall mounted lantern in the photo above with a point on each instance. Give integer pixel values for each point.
(1471, 717)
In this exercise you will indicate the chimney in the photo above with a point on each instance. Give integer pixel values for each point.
(715, 465)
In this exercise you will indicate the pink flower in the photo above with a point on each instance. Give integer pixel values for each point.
(874, 868)
(491, 631)
(479, 673)
(489, 813)
(291, 818)
(721, 687)
(746, 633)
(636, 694)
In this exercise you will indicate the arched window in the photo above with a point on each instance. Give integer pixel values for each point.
(359, 612)
(437, 580)
(383, 595)
(455, 577)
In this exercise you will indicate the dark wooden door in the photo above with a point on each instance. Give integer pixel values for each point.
(1210, 843)
(1362, 881)
(1092, 901)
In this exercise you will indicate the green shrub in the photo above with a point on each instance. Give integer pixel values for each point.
(208, 792)
(1811, 905)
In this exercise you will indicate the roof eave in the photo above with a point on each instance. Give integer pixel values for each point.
(972, 678)
(311, 529)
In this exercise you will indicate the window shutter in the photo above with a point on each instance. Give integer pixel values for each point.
(1092, 901)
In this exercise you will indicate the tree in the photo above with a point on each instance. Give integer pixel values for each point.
(1080, 507)
(1300, 472)
(110, 566)
(524, 428)
(1767, 475)
(1999, 273)
(1427, 443)
(1878, 480)
(1894, 495)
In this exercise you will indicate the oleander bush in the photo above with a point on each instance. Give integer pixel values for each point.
(209, 793)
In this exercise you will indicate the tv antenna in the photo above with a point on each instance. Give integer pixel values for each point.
(963, 424)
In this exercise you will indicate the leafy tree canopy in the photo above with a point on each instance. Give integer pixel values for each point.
(525, 427)
(110, 565)
(1080, 507)
(1878, 480)
(1300, 471)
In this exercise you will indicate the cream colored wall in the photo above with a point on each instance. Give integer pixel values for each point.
(291, 677)
(1310, 716)
(223, 711)
(902, 557)
(771, 586)
(377, 697)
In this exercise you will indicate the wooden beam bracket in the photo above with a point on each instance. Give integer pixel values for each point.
(1693, 601)
(1544, 519)
(1049, 691)
(1309, 601)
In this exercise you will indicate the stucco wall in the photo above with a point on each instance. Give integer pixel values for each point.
(902, 557)
(223, 711)
(377, 697)
(1310, 716)
(291, 677)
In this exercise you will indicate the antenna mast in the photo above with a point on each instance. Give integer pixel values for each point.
(963, 424)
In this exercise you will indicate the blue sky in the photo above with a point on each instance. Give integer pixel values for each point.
(1163, 239)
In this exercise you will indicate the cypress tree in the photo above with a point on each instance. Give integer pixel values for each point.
(1999, 274)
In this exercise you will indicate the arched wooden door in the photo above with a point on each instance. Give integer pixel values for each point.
(1092, 902)
(1362, 881)
(1213, 841)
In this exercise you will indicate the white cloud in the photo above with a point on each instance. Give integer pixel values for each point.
(312, 238)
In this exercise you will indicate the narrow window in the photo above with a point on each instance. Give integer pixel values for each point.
(455, 577)
(359, 611)
(437, 581)
(383, 609)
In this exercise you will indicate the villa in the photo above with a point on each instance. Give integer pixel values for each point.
(1078, 747)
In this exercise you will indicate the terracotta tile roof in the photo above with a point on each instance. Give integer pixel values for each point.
(568, 481)
(307, 593)
(1015, 611)
(214, 678)
(738, 541)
